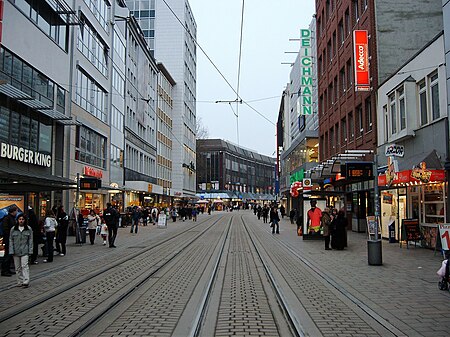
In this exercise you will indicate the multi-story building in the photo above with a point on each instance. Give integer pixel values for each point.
(140, 121)
(35, 55)
(173, 44)
(446, 19)
(298, 120)
(347, 119)
(164, 137)
(233, 173)
(412, 106)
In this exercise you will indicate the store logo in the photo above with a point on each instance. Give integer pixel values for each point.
(14, 152)
(305, 99)
(421, 173)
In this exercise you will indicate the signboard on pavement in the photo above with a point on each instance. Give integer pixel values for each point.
(444, 233)
(162, 220)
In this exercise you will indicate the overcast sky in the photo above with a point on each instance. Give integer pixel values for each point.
(268, 26)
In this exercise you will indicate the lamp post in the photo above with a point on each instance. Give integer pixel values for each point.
(374, 251)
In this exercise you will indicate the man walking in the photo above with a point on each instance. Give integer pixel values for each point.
(111, 219)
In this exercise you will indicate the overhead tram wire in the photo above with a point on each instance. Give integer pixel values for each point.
(239, 98)
(239, 72)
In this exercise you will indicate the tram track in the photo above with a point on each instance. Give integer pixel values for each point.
(7, 315)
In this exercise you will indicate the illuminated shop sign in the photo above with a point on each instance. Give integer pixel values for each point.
(361, 60)
(305, 99)
(92, 172)
(14, 152)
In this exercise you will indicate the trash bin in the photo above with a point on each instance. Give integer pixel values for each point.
(392, 232)
(374, 253)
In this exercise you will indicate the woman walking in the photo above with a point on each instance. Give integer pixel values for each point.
(93, 221)
(274, 220)
(326, 222)
(20, 247)
(50, 225)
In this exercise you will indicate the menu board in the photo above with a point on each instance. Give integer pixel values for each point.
(411, 230)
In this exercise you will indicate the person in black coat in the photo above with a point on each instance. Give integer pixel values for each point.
(63, 226)
(275, 220)
(339, 226)
(33, 223)
(9, 222)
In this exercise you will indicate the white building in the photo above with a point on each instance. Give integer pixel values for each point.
(174, 46)
(412, 113)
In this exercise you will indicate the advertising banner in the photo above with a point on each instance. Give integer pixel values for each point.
(162, 220)
(9, 200)
(444, 233)
(361, 60)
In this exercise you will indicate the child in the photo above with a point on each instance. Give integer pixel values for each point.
(104, 232)
(20, 246)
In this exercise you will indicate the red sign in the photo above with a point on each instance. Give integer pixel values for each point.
(404, 177)
(92, 172)
(361, 60)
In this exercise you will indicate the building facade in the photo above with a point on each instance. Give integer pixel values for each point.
(298, 144)
(231, 172)
(347, 116)
(174, 45)
(413, 116)
(35, 114)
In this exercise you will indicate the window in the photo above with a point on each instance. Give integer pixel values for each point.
(344, 130)
(434, 95)
(347, 21)
(341, 32)
(368, 107)
(401, 107)
(90, 147)
(356, 11)
(92, 46)
(349, 73)
(393, 113)
(386, 123)
(342, 80)
(423, 103)
(359, 120)
(100, 10)
(90, 96)
(336, 141)
(351, 126)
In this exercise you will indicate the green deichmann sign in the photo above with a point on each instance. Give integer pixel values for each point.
(297, 176)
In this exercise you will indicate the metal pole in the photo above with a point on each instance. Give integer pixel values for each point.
(376, 192)
(77, 197)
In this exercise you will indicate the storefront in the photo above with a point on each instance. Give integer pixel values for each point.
(414, 194)
(144, 194)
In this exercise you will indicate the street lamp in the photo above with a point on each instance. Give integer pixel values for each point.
(374, 252)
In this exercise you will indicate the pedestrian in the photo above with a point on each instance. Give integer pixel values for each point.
(275, 220)
(21, 246)
(135, 217)
(93, 222)
(61, 232)
(259, 212)
(81, 231)
(282, 211)
(155, 215)
(174, 214)
(111, 219)
(292, 215)
(339, 225)
(326, 223)
(314, 216)
(299, 222)
(265, 213)
(182, 213)
(33, 223)
(194, 214)
(50, 226)
(8, 223)
(145, 216)
(104, 232)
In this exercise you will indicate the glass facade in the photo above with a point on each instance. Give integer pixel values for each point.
(90, 147)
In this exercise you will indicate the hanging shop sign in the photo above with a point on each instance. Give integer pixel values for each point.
(307, 184)
(92, 172)
(295, 186)
(394, 150)
(408, 176)
(361, 60)
(14, 152)
(90, 184)
(305, 99)
(297, 176)
(358, 170)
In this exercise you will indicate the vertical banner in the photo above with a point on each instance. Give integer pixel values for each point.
(361, 60)
(305, 98)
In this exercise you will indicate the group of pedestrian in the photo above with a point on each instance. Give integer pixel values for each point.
(269, 214)
(333, 224)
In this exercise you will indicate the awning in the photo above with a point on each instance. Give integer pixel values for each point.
(22, 181)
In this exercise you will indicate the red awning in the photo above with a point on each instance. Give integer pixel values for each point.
(412, 176)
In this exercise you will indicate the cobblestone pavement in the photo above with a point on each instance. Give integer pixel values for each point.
(401, 294)
(333, 293)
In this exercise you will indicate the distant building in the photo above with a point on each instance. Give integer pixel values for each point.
(174, 46)
(231, 172)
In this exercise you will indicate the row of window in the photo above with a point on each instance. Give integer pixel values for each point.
(139, 161)
(354, 125)
(90, 147)
(395, 112)
(18, 128)
(45, 15)
(32, 82)
(100, 10)
(90, 96)
(92, 46)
